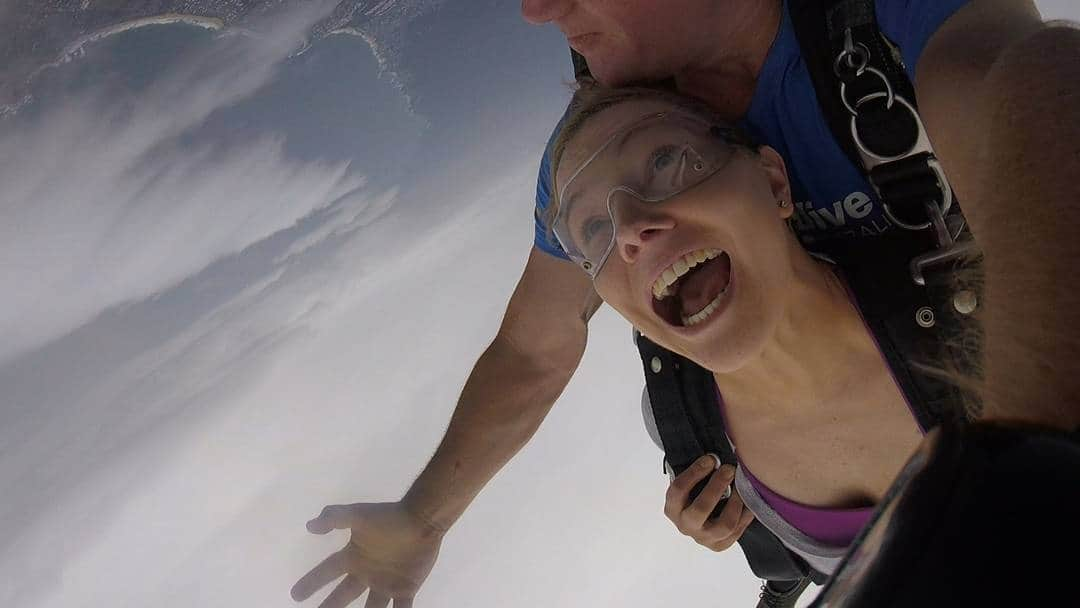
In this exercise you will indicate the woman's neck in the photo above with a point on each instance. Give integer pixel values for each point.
(820, 348)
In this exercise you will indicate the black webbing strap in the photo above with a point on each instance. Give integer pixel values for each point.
(677, 392)
(918, 329)
(869, 103)
(821, 28)
(581, 68)
(689, 422)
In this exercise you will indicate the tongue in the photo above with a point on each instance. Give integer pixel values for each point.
(702, 284)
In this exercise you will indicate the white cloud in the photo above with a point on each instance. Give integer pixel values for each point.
(103, 204)
(183, 475)
(168, 453)
(1059, 9)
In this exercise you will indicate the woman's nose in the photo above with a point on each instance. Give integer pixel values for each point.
(539, 12)
(638, 225)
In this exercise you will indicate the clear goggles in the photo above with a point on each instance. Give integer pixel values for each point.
(650, 160)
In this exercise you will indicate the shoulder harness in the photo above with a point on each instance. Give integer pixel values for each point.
(905, 281)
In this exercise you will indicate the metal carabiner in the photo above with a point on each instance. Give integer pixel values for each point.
(948, 246)
(854, 57)
(888, 93)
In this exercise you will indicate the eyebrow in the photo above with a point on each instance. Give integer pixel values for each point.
(629, 135)
(567, 203)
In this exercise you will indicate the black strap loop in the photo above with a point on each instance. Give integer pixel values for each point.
(689, 422)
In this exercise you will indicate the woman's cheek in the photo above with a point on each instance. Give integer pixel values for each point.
(630, 309)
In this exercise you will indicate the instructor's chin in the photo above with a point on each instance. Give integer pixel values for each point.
(608, 75)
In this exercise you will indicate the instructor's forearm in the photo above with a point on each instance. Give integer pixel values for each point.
(507, 396)
(1029, 226)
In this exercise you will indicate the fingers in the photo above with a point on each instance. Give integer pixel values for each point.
(348, 590)
(678, 493)
(714, 491)
(325, 573)
(726, 529)
(694, 517)
(726, 522)
(334, 517)
(377, 600)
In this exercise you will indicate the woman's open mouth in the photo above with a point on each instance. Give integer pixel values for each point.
(691, 291)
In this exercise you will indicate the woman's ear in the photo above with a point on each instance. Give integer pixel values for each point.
(776, 172)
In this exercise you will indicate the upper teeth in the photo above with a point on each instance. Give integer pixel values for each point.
(662, 287)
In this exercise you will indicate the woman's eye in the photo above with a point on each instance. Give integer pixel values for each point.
(590, 229)
(664, 164)
(662, 159)
(585, 230)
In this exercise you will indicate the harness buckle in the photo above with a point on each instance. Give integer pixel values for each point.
(948, 246)
(890, 170)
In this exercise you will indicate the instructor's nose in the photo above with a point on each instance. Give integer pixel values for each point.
(539, 12)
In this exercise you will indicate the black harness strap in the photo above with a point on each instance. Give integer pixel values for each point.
(821, 26)
(916, 327)
(677, 388)
(869, 104)
(581, 67)
(690, 424)
(868, 101)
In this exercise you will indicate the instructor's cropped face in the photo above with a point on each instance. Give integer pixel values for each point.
(625, 40)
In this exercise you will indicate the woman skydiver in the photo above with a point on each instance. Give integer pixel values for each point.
(682, 223)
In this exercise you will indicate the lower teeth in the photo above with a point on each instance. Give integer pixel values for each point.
(704, 313)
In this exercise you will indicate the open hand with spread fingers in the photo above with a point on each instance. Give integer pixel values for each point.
(389, 555)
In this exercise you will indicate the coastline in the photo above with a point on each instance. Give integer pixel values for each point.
(78, 48)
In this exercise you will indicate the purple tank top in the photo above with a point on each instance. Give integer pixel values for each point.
(835, 527)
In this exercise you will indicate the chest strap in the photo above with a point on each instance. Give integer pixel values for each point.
(869, 103)
(687, 414)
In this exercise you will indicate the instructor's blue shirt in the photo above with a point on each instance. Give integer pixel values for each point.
(832, 198)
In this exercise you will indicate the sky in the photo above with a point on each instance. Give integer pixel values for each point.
(241, 284)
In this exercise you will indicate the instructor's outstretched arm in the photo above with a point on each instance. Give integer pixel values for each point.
(1000, 92)
(508, 394)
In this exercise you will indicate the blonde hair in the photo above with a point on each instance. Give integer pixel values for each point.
(960, 359)
(591, 98)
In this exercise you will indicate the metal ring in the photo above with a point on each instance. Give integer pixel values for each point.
(937, 221)
(958, 224)
(925, 317)
(859, 50)
(943, 183)
(892, 218)
(935, 166)
(946, 201)
(888, 92)
(855, 125)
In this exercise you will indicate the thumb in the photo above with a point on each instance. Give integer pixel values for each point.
(334, 517)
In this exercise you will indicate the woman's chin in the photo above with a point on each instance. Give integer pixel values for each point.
(722, 347)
